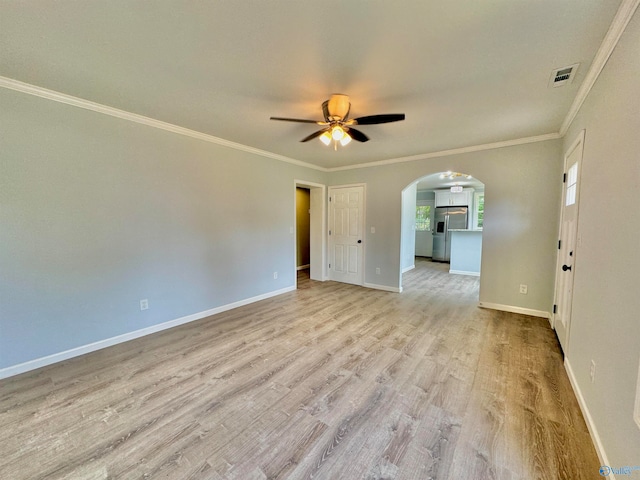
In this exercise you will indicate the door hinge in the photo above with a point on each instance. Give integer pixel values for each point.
(329, 265)
(555, 308)
(559, 244)
(329, 198)
(329, 232)
(564, 178)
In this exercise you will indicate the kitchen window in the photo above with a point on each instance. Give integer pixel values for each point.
(478, 210)
(423, 218)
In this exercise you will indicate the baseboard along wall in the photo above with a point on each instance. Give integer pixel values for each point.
(512, 309)
(108, 342)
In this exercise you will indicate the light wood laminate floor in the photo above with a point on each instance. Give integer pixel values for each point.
(331, 381)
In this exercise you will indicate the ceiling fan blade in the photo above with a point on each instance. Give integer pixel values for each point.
(357, 135)
(314, 135)
(376, 119)
(325, 110)
(299, 120)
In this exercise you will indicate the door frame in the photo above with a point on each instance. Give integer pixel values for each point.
(364, 226)
(577, 143)
(317, 226)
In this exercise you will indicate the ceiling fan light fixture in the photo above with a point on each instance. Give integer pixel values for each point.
(337, 133)
(345, 140)
(337, 127)
(326, 138)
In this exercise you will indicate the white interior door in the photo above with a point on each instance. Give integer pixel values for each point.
(346, 234)
(567, 246)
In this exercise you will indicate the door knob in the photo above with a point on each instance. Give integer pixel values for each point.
(566, 267)
(359, 241)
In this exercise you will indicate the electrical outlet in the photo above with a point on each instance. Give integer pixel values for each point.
(592, 371)
(378, 271)
(275, 275)
(523, 289)
(373, 229)
(144, 304)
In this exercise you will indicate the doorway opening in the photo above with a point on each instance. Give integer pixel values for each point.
(442, 222)
(310, 225)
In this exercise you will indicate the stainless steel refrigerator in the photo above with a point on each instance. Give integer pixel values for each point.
(447, 219)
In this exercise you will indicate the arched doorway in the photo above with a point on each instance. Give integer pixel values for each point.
(442, 221)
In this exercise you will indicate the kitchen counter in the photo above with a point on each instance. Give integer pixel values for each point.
(466, 252)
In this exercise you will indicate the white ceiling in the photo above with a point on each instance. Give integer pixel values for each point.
(434, 182)
(465, 73)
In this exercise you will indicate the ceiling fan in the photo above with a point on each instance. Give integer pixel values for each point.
(338, 126)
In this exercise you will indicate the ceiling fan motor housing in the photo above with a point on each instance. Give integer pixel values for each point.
(338, 106)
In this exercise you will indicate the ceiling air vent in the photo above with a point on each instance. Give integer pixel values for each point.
(563, 76)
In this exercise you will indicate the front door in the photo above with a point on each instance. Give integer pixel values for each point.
(346, 234)
(567, 246)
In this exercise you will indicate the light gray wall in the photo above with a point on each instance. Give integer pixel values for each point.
(97, 213)
(522, 197)
(425, 195)
(408, 227)
(605, 324)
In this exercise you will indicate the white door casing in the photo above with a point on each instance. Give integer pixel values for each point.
(567, 251)
(317, 229)
(346, 234)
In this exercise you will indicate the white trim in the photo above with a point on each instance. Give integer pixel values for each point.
(59, 97)
(303, 267)
(618, 25)
(317, 220)
(462, 272)
(383, 287)
(108, 342)
(134, 117)
(406, 269)
(577, 143)
(591, 426)
(513, 309)
(636, 410)
(454, 151)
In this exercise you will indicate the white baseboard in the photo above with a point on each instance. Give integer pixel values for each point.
(587, 417)
(512, 309)
(383, 287)
(411, 267)
(462, 272)
(303, 267)
(108, 342)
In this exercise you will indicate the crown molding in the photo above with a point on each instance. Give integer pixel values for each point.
(59, 97)
(454, 151)
(618, 25)
(41, 92)
(623, 16)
